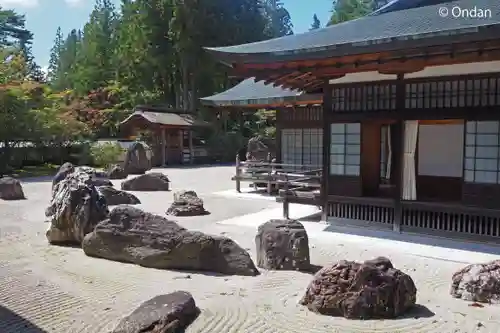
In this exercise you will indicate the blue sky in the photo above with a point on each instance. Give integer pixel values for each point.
(44, 16)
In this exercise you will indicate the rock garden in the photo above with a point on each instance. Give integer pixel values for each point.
(87, 211)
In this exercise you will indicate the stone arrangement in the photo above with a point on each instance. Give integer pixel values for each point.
(137, 161)
(75, 209)
(282, 245)
(478, 283)
(170, 313)
(370, 290)
(153, 181)
(132, 235)
(186, 203)
(116, 197)
(11, 189)
(79, 215)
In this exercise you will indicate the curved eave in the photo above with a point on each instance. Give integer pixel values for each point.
(306, 99)
(390, 31)
(471, 34)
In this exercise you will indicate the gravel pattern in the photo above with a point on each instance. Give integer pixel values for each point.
(55, 289)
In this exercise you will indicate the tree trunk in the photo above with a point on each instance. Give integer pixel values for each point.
(185, 86)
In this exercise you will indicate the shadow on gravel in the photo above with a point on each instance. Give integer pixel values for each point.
(10, 322)
(418, 311)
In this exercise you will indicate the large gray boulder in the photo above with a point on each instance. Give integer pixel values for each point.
(75, 209)
(282, 245)
(186, 203)
(371, 290)
(11, 189)
(153, 181)
(137, 160)
(117, 197)
(132, 235)
(170, 313)
(478, 283)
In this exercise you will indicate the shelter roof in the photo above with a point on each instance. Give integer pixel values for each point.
(250, 93)
(392, 28)
(161, 116)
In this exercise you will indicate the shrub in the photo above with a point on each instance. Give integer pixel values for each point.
(105, 154)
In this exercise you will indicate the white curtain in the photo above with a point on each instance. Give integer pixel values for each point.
(409, 172)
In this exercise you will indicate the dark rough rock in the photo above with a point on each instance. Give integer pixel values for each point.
(153, 181)
(186, 203)
(478, 283)
(117, 197)
(282, 244)
(132, 235)
(63, 171)
(371, 290)
(116, 171)
(137, 161)
(259, 148)
(75, 209)
(11, 189)
(170, 313)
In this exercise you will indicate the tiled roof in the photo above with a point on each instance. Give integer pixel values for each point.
(165, 118)
(380, 29)
(249, 92)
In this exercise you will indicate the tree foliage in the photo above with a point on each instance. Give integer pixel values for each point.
(346, 10)
(141, 52)
(316, 23)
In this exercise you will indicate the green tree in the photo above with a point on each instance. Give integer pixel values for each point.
(55, 57)
(279, 20)
(95, 59)
(346, 10)
(316, 23)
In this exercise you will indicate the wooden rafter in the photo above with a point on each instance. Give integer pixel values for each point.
(385, 66)
(283, 78)
(297, 84)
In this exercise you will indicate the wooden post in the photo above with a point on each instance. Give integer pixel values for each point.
(181, 144)
(191, 150)
(398, 150)
(325, 170)
(238, 173)
(163, 147)
(269, 174)
(286, 204)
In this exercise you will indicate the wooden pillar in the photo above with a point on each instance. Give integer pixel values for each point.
(191, 150)
(398, 150)
(325, 172)
(163, 147)
(279, 124)
(181, 144)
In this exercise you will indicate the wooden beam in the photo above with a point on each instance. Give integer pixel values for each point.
(302, 83)
(360, 64)
(278, 82)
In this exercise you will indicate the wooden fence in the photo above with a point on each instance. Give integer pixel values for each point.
(291, 183)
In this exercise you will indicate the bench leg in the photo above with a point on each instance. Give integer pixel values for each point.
(286, 209)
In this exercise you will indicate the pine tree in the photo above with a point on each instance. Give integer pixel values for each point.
(316, 23)
(55, 56)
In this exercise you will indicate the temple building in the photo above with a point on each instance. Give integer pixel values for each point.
(410, 114)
